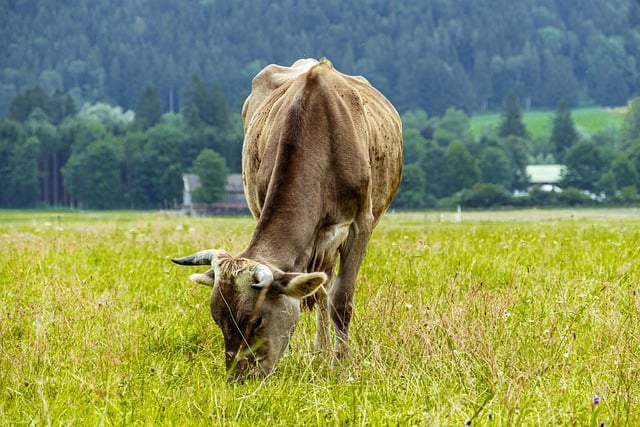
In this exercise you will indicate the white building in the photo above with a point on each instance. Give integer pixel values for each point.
(547, 177)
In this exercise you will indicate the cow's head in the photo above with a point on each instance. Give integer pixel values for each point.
(256, 307)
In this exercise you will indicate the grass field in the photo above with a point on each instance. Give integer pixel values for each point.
(539, 123)
(507, 318)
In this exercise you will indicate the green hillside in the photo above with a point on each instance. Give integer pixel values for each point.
(587, 120)
(430, 55)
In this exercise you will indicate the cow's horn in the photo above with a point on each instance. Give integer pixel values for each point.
(263, 275)
(199, 258)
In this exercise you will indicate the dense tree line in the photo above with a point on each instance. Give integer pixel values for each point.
(445, 165)
(102, 157)
(428, 55)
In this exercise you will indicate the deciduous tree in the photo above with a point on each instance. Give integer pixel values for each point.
(411, 194)
(461, 168)
(93, 176)
(212, 171)
(585, 166)
(495, 167)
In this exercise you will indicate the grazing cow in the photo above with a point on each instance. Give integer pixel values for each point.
(321, 162)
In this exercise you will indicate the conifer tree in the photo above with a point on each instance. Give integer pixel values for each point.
(511, 123)
(563, 133)
(25, 103)
(149, 108)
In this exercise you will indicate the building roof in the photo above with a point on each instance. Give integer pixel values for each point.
(545, 174)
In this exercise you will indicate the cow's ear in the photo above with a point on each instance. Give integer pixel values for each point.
(299, 285)
(207, 278)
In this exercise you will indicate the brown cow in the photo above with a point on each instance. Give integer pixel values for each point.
(322, 161)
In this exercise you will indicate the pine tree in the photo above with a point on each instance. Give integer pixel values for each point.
(511, 124)
(25, 103)
(61, 106)
(204, 107)
(563, 133)
(149, 108)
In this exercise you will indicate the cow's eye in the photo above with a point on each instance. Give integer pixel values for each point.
(255, 323)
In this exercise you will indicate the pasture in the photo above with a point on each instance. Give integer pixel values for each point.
(507, 318)
(587, 121)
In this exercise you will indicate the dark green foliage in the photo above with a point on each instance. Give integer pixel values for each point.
(411, 194)
(108, 160)
(61, 106)
(584, 166)
(204, 107)
(538, 197)
(18, 166)
(436, 72)
(516, 148)
(485, 195)
(56, 107)
(461, 168)
(429, 55)
(22, 105)
(624, 172)
(413, 146)
(631, 125)
(212, 171)
(574, 197)
(563, 132)
(161, 166)
(511, 123)
(433, 164)
(92, 176)
(453, 126)
(495, 167)
(149, 108)
(12, 135)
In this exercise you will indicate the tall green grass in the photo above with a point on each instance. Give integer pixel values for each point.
(491, 321)
(539, 123)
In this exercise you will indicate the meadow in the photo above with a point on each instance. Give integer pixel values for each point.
(587, 121)
(506, 318)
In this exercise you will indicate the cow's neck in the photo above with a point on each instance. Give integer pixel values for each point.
(292, 210)
(287, 227)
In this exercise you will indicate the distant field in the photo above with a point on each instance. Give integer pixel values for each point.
(539, 123)
(525, 317)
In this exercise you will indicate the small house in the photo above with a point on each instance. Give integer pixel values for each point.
(547, 177)
(234, 202)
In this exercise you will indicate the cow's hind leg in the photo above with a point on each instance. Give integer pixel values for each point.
(341, 293)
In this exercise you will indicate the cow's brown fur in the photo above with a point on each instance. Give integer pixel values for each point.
(322, 160)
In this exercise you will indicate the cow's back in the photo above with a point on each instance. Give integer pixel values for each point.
(375, 146)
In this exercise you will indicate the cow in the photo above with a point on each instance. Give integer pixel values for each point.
(321, 163)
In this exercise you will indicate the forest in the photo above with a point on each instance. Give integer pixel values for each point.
(107, 104)
(428, 55)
